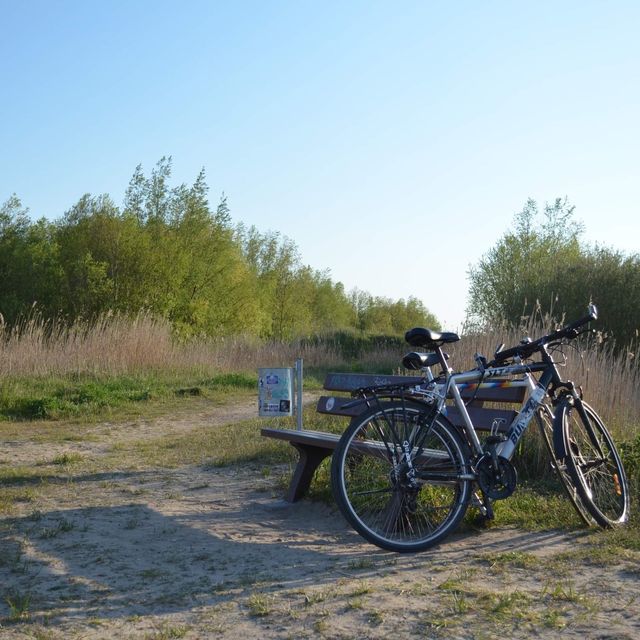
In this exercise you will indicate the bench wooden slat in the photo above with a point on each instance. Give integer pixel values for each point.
(354, 381)
(482, 417)
(334, 405)
(321, 439)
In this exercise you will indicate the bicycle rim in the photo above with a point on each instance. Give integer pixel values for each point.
(595, 466)
(372, 488)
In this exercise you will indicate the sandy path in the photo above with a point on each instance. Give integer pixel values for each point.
(201, 553)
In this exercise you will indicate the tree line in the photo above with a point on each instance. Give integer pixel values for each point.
(543, 264)
(167, 251)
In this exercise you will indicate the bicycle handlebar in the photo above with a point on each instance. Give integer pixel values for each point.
(529, 348)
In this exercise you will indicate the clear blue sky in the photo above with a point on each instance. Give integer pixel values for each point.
(393, 141)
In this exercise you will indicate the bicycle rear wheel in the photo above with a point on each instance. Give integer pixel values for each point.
(560, 468)
(376, 490)
(594, 463)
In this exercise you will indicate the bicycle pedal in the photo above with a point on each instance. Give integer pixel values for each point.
(484, 506)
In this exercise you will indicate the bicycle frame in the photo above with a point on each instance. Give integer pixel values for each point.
(474, 379)
(456, 382)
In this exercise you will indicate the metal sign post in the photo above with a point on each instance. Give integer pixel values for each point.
(299, 393)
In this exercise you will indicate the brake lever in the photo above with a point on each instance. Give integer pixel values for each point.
(481, 361)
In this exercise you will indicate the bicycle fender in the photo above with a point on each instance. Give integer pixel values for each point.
(559, 444)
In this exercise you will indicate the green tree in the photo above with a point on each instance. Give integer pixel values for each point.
(386, 316)
(542, 263)
(166, 250)
(30, 272)
(528, 264)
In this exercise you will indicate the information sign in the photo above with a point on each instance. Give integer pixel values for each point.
(275, 392)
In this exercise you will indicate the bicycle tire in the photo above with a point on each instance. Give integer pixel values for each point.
(560, 470)
(600, 479)
(372, 492)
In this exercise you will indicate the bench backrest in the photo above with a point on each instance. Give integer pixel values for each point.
(353, 381)
(484, 418)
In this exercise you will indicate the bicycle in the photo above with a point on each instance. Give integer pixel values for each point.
(404, 476)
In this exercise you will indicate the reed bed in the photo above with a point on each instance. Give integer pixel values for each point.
(116, 345)
(119, 345)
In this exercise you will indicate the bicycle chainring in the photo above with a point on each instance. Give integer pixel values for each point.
(496, 484)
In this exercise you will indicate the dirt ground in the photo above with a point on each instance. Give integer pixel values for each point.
(199, 552)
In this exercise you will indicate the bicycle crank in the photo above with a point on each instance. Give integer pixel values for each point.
(497, 477)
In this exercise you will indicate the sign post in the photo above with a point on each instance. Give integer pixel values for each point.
(299, 393)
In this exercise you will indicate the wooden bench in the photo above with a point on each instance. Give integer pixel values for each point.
(314, 446)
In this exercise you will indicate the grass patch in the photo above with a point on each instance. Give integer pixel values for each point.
(19, 604)
(62, 526)
(168, 632)
(226, 445)
(259, 605)
(535, 506)
(24, 475)
(604, 548)
(505, 606)
(67, 458)
(86, 396)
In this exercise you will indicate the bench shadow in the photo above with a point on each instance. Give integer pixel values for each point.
(130, 559)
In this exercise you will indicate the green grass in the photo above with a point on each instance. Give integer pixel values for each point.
(536, 506)
(238, 443)
(86, 396)
(19, 604)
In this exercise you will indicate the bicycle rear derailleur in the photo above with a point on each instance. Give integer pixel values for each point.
(497, 477)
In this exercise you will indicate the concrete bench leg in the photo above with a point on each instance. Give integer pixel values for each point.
(309, 460)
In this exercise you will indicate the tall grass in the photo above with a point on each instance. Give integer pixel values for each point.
(120, 345)
(116, 345)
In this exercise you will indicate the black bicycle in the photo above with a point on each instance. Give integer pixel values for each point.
(403, 475)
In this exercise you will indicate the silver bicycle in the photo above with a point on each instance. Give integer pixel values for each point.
(404, 476)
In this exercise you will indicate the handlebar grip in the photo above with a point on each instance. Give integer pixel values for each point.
(584, 320)
(570, 331)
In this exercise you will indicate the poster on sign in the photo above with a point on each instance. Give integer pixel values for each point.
(275, 392)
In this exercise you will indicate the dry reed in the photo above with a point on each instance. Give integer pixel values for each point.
(116, 345)
(119, 345)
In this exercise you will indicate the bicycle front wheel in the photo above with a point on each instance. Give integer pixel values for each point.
(560, 467)
(594, 463)
(401, 484)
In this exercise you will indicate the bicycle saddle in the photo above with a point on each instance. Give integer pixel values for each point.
(420, 337)
(415, 360)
